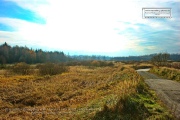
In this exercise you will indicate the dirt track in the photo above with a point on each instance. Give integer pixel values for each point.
(167, 90)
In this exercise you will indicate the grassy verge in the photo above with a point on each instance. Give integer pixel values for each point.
(168, 73)
(139, 106)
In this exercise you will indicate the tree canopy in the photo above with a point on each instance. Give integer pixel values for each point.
(16, 54)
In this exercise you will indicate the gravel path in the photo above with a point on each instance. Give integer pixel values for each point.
(167, 90)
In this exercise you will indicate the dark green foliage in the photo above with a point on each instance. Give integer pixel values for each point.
(21, 68)
(51, 69)
(16, 54)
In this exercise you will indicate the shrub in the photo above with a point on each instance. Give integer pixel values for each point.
(51, 69)
(21, 68)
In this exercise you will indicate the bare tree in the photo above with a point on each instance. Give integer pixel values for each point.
(160, 59)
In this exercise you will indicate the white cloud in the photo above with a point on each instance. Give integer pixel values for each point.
(74, 25)
(81, 25)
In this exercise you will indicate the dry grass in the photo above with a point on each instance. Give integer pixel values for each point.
(77, 94)
(168, 73)
(81, 91)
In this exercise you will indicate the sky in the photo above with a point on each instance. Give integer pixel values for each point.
(90, 27)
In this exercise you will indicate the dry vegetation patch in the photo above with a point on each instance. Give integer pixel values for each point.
(168, 73)
(77, 94)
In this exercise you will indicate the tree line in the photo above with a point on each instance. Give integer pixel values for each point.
(171, 57)
(17, 54)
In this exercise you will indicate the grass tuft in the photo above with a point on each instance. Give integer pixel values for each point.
(167, 73)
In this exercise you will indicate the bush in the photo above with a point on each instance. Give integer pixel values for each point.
(21, 68)
(51, 69)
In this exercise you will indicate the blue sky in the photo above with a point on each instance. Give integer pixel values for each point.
(98, 27)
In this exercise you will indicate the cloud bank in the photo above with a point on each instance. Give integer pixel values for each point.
(90, 27)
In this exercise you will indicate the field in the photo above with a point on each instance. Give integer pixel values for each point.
(82, 92)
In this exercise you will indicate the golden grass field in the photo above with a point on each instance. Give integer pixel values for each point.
(80, 93)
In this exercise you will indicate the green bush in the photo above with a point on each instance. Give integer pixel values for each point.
(21, 68)
(51, 69)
